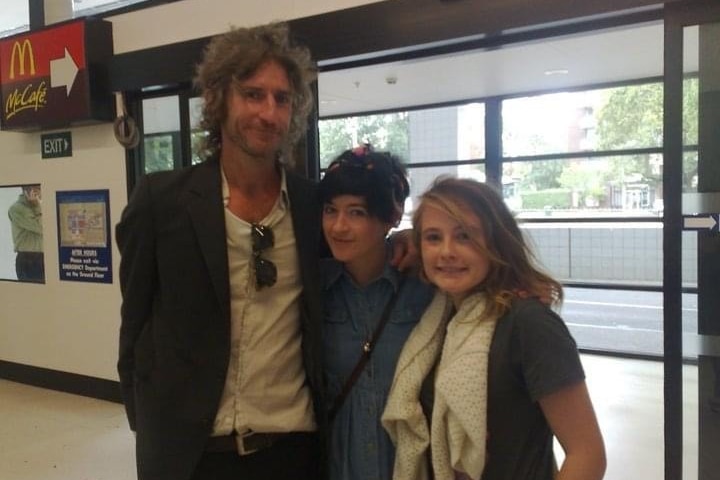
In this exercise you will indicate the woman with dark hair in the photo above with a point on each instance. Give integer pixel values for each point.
(506, 372)
(370, 308)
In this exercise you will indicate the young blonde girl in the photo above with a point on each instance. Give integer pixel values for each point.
(504, 370)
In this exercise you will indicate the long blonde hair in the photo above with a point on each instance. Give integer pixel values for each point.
(514, 270)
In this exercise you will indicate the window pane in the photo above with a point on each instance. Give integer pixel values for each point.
(471, 131)
(386, 132)
(628, 253)
(605, 119)
(619, 186)
(445, 134)
(197, 135)
(631, 117)
(159, 153)
(690, 134)
(161, 114)
(690, 111)
(622, 321)
(690, 171)
(553, 123)
(422, 177)
(161, 124)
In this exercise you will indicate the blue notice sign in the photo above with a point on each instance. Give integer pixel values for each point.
(83, 218)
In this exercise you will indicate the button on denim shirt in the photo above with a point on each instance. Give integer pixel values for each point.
(359, 446)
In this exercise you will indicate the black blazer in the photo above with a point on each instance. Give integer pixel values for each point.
(175, 331)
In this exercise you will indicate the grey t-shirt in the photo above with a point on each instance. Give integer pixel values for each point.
(532, 355)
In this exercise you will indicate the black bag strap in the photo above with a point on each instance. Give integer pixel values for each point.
(367, 350)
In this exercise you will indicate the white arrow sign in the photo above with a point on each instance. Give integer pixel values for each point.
(700, 222)
(63, 72)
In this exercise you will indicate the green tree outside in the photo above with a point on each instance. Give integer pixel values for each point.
(386, 132)
(629, 117)
(632, 117)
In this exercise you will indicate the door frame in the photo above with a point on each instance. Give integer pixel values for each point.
(677, 16)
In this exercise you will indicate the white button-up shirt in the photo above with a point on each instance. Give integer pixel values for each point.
(265, 388)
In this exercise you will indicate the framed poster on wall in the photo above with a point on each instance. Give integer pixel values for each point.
(84, 251)
(21, 233)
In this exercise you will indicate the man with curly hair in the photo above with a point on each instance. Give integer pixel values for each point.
(219, 357)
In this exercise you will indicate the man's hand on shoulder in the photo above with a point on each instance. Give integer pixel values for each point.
(405, 255)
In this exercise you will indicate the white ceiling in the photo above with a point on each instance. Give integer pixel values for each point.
(577, 60)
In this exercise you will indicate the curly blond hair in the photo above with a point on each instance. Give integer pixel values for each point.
(235, 56)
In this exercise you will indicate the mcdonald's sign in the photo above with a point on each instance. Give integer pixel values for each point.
(22, 53)
(49, 79)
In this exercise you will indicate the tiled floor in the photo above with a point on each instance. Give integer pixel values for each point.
(628, 400)
(47, 435)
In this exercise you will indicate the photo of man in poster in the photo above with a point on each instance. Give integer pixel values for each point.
(27, 234)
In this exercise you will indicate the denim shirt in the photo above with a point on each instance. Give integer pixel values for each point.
(359, 447)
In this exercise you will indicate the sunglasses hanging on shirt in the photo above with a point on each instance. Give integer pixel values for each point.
(265, 270)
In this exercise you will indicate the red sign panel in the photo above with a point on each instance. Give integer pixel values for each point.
(45, 79)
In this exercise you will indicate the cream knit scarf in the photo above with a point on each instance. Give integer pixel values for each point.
(458, 429)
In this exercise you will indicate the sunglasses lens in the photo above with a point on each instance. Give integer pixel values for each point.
(262, 238)
(265, 270)
(265, 273)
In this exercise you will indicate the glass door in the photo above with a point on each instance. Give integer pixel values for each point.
(692, 193)
(708, 241)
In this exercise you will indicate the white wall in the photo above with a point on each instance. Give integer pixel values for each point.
(73, 326)
(67, 326)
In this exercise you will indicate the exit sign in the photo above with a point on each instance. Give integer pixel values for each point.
(55, 145)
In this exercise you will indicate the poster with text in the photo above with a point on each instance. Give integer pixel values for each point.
(83, 219)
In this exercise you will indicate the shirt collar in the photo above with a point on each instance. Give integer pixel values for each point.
(335, 271)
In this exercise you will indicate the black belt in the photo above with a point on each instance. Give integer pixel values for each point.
(246, 443)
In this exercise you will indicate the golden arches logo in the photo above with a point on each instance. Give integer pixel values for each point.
(23, 51)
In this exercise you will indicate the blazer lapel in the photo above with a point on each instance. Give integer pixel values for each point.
(305, 212)
(305, 218)
(205, 207)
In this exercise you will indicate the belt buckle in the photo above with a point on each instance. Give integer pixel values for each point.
(240, 442)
